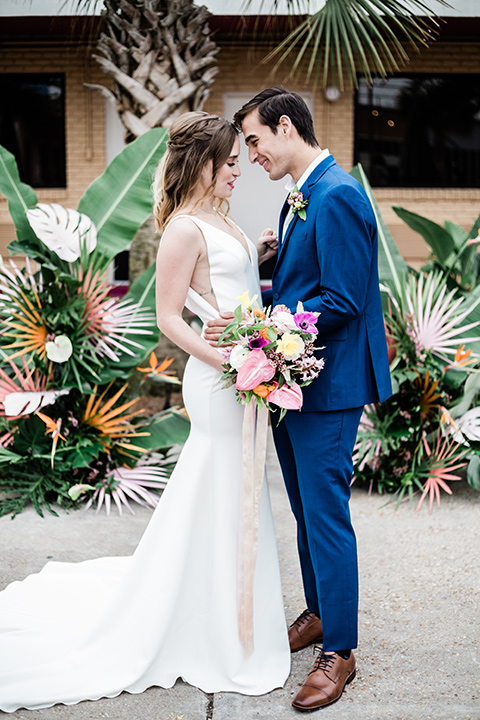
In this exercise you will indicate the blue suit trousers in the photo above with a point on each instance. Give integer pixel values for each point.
(315, 453)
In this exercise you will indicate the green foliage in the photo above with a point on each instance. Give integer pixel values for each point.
(20, 197)
(70, 350)
(453, 251)
(391, 266)
(343, 39)
(120, 200)
(421, 436)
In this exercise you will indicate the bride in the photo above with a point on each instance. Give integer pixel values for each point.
(172, 609)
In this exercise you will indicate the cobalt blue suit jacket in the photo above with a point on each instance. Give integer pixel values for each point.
(329, 262)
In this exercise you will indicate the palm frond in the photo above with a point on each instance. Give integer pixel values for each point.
(431, 316)
(439, 463)
(347, 37)
(108, 322)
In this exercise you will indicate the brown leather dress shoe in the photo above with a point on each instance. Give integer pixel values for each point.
(306, 629)
(326, 682)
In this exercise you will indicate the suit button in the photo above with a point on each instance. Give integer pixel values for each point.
(276, 296)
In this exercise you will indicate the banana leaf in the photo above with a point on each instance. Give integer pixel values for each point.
(169, 428)
(472, 301)
(473, 472)
(475, 228)
(470, 391)
(391, 265)
(143, 292)
(121, 199)
(438, 238)
(20, 198)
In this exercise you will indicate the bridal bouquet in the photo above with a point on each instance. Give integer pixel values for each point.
(271, 355)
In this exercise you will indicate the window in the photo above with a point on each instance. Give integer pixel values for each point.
(419, 131)
(32, 126)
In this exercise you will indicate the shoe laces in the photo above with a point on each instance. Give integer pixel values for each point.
(323, 661)
(303, 618)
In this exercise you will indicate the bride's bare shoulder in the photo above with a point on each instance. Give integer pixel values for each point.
(182, 227)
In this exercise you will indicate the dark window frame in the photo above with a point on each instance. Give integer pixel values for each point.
(421, 163)
(33, 126)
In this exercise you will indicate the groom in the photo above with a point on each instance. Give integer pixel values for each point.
(328, 260)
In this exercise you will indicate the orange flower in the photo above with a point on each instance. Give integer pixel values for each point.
(461, 357)
(428, 395)
(157, 368)
(258, 313)
(263, 389)
(447, 418)
(54, 428)
(263, 332)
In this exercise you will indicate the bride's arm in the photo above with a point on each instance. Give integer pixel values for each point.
(179, 251)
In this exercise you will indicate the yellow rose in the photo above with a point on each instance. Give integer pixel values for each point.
(291, 346)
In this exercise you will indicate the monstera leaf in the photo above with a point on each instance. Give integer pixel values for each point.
(120, 200)
(64, 231)
(20, 198)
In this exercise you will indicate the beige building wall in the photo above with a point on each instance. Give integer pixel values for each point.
(241, 70)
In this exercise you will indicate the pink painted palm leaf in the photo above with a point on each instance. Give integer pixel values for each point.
(29, 382)
(107, 321)
(126, 484)
(434, 315)
(442, 461)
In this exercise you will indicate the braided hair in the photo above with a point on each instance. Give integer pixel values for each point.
(195, 139)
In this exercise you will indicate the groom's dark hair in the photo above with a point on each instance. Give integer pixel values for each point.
(274, 102)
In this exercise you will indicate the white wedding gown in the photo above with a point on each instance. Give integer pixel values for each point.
(94, 629)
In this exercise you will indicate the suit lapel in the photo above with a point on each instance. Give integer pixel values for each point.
(315, 176)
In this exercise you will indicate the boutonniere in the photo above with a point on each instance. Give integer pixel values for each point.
(297, 203)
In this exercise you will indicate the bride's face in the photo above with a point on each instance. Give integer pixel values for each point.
(228, 173)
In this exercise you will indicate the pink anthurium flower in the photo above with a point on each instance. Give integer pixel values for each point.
(288, 397)
(256, 369)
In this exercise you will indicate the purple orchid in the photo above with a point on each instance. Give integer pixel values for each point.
(306, 321)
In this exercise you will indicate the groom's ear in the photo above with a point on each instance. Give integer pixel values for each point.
(285, 126)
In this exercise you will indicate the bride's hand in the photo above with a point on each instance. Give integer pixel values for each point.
(267, 245)
(214, 328)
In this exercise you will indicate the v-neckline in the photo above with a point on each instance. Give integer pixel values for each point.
(245, 248)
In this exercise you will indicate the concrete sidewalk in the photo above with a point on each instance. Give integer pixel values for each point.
(419, 615)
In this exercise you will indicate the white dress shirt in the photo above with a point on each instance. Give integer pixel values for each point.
(290, 184)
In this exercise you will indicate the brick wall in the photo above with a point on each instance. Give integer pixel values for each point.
(240, 70)
(85, 121)
(334, 129)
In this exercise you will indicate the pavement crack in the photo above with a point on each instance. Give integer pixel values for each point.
(210, 698)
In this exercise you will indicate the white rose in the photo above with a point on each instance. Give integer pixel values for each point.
(284, 321)
(238, 356)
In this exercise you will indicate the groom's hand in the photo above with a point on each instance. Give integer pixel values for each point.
(214, 328)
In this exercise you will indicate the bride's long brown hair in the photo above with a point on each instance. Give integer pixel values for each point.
(195, 138)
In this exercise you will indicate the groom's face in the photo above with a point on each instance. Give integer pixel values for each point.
(270, 150)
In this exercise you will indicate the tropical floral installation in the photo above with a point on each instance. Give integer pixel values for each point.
(270, 354)
(72, 428)
(414, 444)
